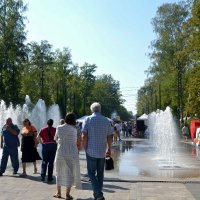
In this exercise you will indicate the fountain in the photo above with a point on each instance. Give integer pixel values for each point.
(38, 114)
(162, 156)
(164, 136)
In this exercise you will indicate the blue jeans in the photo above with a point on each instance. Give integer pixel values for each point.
(48, 156)
(95, 167)
(13, 153)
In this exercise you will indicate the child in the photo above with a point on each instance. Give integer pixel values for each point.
(115, 135)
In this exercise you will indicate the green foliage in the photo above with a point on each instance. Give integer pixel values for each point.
(87, 79)
(106, 91)
(12, 48)
(175, 58)
(35, 81)
(124, 115)
(36, 70)
(193, 88)
(192, 51)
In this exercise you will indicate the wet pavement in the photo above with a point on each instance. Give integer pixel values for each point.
(136, 158)
(140, 173)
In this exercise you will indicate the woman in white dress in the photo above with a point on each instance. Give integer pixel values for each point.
(67, 158)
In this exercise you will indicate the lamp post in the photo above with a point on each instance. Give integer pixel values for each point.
(160, 96)
(5, 53)
(179, 85)
(42, 76)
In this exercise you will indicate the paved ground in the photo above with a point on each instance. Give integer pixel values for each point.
(115, 187)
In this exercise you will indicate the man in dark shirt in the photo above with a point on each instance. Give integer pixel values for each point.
(9, 144)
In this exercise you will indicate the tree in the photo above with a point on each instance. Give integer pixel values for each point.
(74, 91)
(106, 90)
(192, 52)
(193, 88)
(124, 114)
(166, 70)
(12, 48)
(61, 69)
(35, 80)
(87, 78)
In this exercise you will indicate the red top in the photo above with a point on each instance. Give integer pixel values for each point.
(47, 134)
(194, 124)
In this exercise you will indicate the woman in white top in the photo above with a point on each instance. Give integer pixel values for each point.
(67, 158)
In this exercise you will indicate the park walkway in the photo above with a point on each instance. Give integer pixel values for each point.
(15, 187)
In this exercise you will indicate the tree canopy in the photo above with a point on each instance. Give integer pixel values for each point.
(174, 74)
(41, 72)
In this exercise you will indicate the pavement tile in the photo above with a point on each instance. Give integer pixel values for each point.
(115, 187)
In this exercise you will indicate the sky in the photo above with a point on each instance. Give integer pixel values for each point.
(113, 34)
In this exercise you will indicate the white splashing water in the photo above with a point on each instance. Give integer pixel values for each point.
(163, 133)
(38, 114)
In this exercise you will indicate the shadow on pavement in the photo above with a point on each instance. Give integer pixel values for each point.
(109, 188)
(86, 186)
(114, 187)
(33, 178)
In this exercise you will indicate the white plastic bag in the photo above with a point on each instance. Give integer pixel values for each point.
(39, 150)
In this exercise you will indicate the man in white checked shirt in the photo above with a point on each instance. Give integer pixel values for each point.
(97, 140)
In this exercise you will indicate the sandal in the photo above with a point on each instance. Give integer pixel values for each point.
(57, 196)
(69, 197)
(23, 174)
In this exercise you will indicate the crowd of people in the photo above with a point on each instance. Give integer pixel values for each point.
(60, 147)
(125, 129)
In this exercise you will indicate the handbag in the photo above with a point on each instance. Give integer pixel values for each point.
(109, 164)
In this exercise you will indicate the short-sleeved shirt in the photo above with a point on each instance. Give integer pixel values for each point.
(10, 140)
(97, 128)
(118, 127)
(45, 136)
(185, 130)
(66, 136)
(29, 131)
